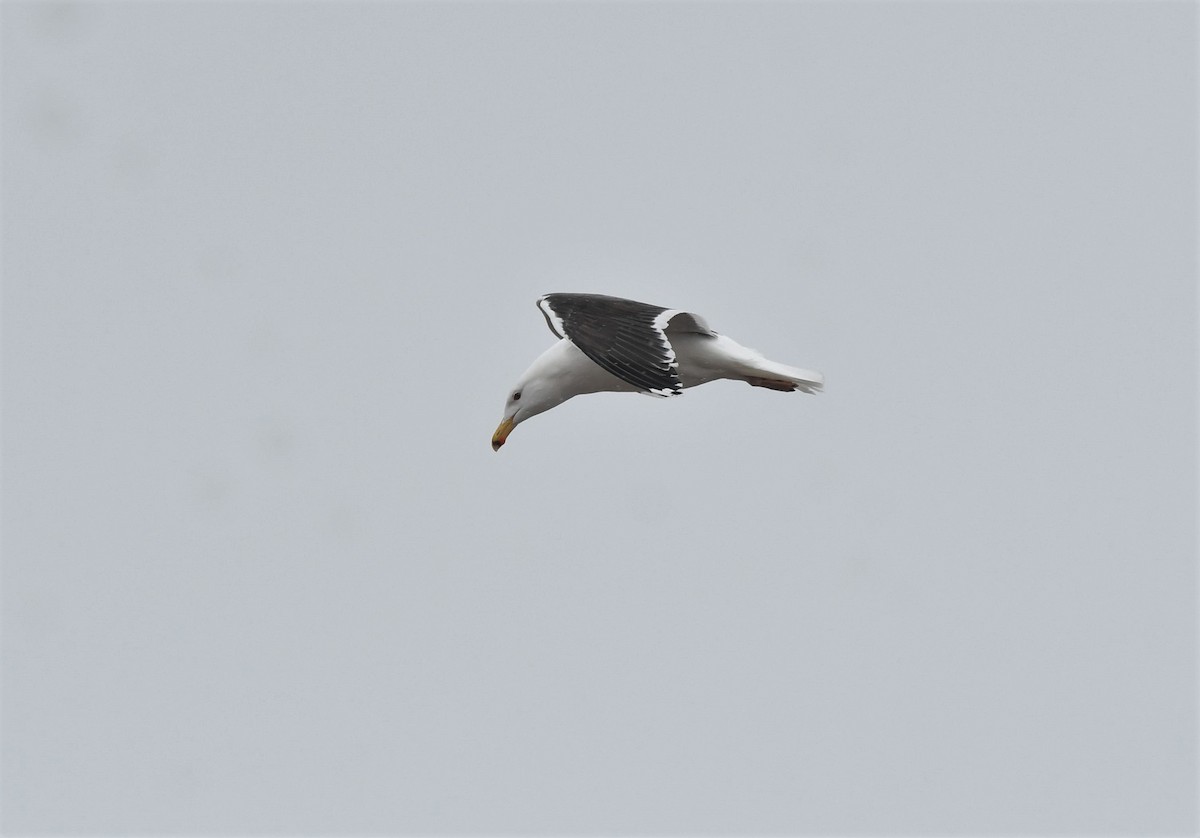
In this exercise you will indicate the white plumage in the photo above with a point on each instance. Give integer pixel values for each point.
(609, 344)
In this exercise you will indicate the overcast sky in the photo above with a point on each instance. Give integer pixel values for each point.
(269, 271)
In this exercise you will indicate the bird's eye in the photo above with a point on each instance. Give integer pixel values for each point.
(516, 397)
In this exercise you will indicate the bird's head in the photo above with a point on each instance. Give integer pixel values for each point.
(538, 390)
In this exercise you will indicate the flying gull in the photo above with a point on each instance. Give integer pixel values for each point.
(608, 344)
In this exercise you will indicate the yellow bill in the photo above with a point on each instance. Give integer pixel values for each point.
(502, 432)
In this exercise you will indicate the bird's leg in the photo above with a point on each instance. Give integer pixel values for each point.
(771, 384)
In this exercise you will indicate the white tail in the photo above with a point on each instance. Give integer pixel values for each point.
(705, 358)
(778, 376)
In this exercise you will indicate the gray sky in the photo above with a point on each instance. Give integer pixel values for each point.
(269, 271)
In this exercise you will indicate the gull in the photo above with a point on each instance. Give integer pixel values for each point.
(610, 344)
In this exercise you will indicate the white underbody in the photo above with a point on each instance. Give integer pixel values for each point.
(702, 358)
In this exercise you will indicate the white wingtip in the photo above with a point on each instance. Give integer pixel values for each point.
(552, 319)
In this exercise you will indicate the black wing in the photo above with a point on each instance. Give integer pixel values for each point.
(624, 337)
